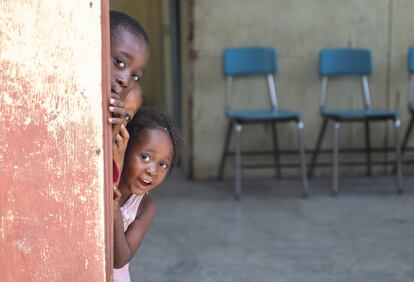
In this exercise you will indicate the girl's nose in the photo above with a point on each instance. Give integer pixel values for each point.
(151, 169)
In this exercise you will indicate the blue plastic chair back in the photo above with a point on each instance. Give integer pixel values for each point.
(344, 61)
(249, 60)
(411, 60)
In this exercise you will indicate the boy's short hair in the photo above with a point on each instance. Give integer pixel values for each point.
(121, 20)
(151, 118)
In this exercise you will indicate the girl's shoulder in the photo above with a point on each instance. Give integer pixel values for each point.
(147, 208)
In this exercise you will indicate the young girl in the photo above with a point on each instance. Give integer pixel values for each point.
(150, 155)
(133, 102)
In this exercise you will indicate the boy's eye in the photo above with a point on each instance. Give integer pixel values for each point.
(120, 63)
(136, 77)
(144, 157)
(164, 165)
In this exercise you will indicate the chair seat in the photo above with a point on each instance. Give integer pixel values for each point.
(360, 114)
(263, 115)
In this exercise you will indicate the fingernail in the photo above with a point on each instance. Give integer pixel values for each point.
(111, 108)
(112, 101)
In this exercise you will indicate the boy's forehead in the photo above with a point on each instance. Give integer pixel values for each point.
(127, 42)
(123, 33)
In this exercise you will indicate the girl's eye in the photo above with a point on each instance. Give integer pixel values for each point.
(120, 63)
(144, 157)
(136, 77)
(164, 165)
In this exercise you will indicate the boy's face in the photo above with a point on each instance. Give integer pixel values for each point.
(129, 56)
(148, 161)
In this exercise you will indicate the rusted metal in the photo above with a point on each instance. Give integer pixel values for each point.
(52, 207)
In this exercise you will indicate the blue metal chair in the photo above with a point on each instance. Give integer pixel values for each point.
(241, 62)
(351, 62)
(410, 99)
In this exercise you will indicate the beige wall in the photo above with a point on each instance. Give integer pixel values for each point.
(187, 83)
(298, 29)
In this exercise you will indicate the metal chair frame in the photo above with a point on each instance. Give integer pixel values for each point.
(365, 115)
(410, 100)
(270, 116)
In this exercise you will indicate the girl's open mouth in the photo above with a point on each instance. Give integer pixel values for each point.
(144, 182)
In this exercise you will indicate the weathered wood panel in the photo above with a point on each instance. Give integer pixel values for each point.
(52, 210)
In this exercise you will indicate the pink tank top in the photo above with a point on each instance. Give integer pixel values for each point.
(129, 212)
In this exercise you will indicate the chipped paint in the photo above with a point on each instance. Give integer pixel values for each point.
(23, 246)
(51, 203)
(7, 99)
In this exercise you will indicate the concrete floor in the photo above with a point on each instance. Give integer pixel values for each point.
(201, 234)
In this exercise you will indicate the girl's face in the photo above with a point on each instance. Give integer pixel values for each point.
(129, 56)
(148, 161)
(133, 102)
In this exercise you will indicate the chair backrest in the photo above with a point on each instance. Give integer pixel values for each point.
(250, 61)
(411, 60)
(411, 85)
(345, 62)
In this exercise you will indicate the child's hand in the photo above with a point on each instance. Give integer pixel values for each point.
(117, 194)
(118, 114)
(119, 147)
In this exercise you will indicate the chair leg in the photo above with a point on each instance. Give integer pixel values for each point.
(302, 158)
(407, 135)
(225, 151)
(237, 183)
(368, 147)
(398, 155)
(317, 148)
(405, 140)
(276, 150)
(337, 126)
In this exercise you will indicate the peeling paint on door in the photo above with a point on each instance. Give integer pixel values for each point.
(52, 220)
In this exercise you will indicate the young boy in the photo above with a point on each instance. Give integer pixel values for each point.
(129, 56)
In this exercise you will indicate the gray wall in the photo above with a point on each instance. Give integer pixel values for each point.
(298, 29)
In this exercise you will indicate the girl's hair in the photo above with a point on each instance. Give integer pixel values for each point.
(119, 20)
(151, 118)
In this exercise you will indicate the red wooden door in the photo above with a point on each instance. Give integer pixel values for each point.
(53, 141)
